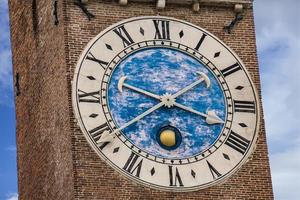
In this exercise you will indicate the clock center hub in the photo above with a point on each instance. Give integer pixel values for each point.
(168, 100)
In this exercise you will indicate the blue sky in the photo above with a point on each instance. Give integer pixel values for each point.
(278, 43)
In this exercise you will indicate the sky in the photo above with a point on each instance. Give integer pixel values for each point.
(278, 42)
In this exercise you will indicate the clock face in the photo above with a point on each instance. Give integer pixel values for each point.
(166, 103)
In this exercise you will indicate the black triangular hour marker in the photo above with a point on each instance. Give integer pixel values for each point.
(193, 173)
(116, 149)
(152, 171)
(91, 78)
(181, 34)
(217, 54)
(239, 87)
(243, 125)
(108, 47)
(142, 31)
(93, 115)
(226, 156)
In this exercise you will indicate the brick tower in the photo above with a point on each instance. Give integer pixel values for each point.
(55, 160)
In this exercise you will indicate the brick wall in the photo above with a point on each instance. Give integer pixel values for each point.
(43, 128)
(54, 159)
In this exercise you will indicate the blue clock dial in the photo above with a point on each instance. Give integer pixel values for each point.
(163, 72)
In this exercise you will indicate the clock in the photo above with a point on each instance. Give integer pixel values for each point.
(166, 103)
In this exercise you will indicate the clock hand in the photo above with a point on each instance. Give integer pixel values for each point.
(204, 77)
(121, 84)
(107, 136)
(210, 118)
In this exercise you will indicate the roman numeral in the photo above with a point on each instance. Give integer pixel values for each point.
(174, 177)
(215, 174)
(96, 133)
(231, 69)
(124, 35)
(89, 97)
(200, 41)
(133, 164)
(244, 106)
(91, 57)
(162, 29)
(237, 142)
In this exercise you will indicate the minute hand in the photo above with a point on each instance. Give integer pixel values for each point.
(147, 112)
(184, 90)
(210, 117)
(108, 136)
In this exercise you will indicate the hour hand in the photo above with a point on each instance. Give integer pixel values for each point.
(122, 84)
(210, 118)
(203, 77)
(108, 137)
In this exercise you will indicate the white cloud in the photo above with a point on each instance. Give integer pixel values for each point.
(278, 30)
(285, 166)
(6, 68)
(12, 196)
(6, 83)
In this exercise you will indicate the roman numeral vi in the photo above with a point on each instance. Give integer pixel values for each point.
(174, 177)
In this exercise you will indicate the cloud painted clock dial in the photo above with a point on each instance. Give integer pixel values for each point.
(166, 103)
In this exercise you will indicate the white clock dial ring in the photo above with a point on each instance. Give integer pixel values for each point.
(159, 56)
